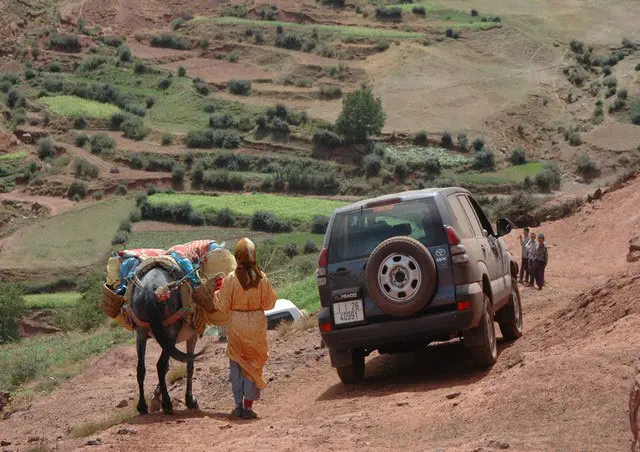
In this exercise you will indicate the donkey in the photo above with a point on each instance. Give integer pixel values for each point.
(168, 327)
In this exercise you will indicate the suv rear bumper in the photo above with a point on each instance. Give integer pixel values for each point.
(341, 342)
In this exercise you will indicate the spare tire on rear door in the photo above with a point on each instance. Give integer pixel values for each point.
(401, 276)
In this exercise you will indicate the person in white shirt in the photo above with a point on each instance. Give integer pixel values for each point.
(524, 264)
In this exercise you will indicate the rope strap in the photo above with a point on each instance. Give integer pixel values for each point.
(171, 320)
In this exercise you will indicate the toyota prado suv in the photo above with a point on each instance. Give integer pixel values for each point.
(400, 271)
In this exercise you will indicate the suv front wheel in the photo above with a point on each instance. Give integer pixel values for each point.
(354, 372)
(510, 317)
(485, 353)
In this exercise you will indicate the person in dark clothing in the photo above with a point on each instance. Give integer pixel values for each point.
(531, 257)
(524, 264)
(541, 259)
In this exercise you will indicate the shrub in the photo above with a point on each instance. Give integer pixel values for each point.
(233, 57)
(124, 53)
(67, 43)
(635, 112)
(170, 41)
(77, 188)
(133, 128)
(46, 148)
(291, 250)
(431, 166)
(221, 121)
(101, 142)
(177, 23)
(167, 139)
(451, 33)
(116, 120)
(382, 45)
(236, 11)
(35, 51)
(549, 178)
(289, 41)
(576, 46)
(372, 164)
(150, 102)
(177, 175)
(113, 41)
(319, 224)
(165, 83)
(463, 142)
(141, 68)
(54, 67)
(637, 67)
(421, 138)
(268, 12)
(120, 238)
(611, 91)
(606, 69)
(200, 139)
(610, 80)
(258, 37)
(12, 308)
(325, 139)
(122, 189)
(330, 92)
(16, 98)
(474, 13)
(401, 169)
(240, 87)
(573, 137)
(622, 94)
(182, 72)
(92, 62)
(29, 74)
(518, 157)
(159, 164)
(419, 10)
(85, 169)
(97, 195)
(222, 180)
(268, 222)
(279, 29)
(19, 116)
(134, 109)
(618, 105)
(389, 12)
(204, 44)
(478, 144)
(225, 218)
(585, 166)
(362, 115)
(136, 162)
(81, 139)
(201, 87)
(446, 140)
(484, 160)
(310, 247)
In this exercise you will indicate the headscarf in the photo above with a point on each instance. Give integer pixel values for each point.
(248, 272)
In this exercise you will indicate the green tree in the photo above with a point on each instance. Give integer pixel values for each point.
(362, 116)
(12, 307)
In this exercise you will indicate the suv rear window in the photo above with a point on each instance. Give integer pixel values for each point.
(354, 235)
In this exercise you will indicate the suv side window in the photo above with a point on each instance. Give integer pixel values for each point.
(460, 216)
(471, 214)
(486, 224)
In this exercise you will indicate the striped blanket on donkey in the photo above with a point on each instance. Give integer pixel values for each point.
(197, 266)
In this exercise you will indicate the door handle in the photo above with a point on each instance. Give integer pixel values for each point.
(341, 272)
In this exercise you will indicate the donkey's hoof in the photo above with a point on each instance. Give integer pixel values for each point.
(168, 408)
(192, 403)
(143, 409)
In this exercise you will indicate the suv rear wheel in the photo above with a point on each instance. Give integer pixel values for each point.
(485, 354)
(510, 317)
(354, 372)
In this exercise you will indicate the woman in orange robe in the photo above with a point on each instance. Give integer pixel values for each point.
(245, 295)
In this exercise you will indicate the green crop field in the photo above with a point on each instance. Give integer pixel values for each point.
(414, 156)
(77, 106)
(303, 293)
(52, 300)
(75, 238)
(343, 30)
(12, 156)
(297, 209)
(511, 174)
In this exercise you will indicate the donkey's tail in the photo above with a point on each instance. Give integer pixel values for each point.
(155, 320)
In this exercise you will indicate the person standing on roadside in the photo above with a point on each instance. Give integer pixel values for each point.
(531, 257)
(541, 259)
(524, 264)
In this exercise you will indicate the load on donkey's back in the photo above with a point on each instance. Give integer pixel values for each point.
(198, 268)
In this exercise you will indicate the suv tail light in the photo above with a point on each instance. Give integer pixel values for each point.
(321, 272)
(458, 252)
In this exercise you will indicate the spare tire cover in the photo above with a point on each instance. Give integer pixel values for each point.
(401, 276)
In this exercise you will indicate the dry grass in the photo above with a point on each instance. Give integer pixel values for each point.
(91, 428)
(290, 328)
(176, 373)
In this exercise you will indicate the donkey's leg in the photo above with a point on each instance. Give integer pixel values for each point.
(141, 346)
(190, 400)
(163, 367)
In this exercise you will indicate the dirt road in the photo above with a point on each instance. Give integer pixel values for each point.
(563, 386)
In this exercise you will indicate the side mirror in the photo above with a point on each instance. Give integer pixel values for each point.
(503, 226)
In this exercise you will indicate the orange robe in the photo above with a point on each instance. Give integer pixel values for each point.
(247, 339)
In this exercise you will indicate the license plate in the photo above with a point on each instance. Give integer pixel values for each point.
(348, 312)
